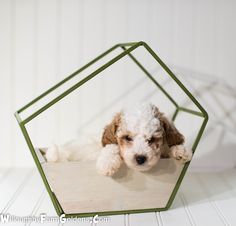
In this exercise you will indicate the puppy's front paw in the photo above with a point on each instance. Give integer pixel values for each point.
(109, 160)
(107, 170)
(180, 153)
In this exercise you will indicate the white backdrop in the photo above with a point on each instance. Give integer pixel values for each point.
(41, 41)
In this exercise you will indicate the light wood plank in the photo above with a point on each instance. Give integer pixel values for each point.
(46, 207)
(143, 219)
(229, 180)
(12, 186)
(175, 214)
(220, 195)
(116, 220)
(35, 209)
(122, 192)
(197, 200)
(29, 195)
(28, 200)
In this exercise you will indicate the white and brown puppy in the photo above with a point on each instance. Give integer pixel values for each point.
(138, 136)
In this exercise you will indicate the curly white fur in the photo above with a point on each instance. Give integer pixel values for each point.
(141, 120)
(109, 160)
(74, 150)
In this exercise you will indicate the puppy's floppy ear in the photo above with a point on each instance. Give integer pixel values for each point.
(172, 135)
(109, 134)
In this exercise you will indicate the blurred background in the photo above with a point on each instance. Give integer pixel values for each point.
(43, 41)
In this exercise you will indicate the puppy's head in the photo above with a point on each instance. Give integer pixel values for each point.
(143, 135)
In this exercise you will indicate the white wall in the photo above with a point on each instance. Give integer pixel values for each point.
(41, 41)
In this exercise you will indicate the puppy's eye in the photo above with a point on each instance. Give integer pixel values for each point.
(127, 138)
(151, 140)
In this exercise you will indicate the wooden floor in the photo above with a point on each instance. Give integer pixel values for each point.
(204, 199)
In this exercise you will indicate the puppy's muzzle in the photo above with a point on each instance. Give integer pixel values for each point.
(140, 159)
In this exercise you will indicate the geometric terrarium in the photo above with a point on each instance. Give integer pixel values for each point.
(80, 106)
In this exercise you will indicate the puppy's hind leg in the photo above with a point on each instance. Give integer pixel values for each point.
(109, 160)
(55, 154)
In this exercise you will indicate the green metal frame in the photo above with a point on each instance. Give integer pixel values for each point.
(127, 49)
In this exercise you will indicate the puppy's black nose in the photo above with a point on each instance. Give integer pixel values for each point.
(141, 159)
